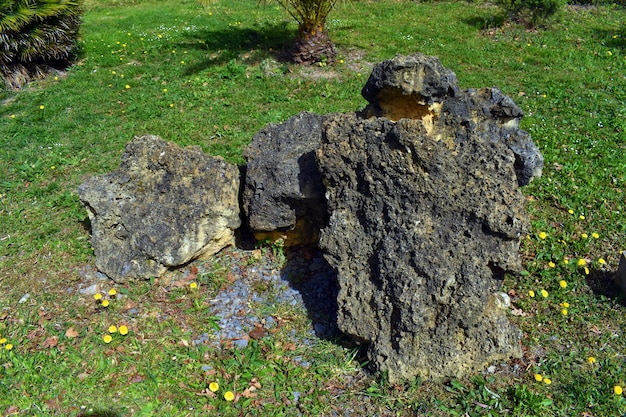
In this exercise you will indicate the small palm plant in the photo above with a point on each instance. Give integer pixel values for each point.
(313, 43)
(36, 36)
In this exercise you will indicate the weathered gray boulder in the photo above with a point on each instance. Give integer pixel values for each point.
(425, 219)
(283, 195)
(419, 87)
(163, 207)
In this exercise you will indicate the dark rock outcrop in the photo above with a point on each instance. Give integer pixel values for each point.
(283, 195)
(163, 207)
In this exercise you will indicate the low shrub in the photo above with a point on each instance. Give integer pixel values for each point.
(532, 12)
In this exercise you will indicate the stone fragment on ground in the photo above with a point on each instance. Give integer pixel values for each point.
(163, 207)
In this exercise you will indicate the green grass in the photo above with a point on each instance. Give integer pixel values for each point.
(210, 78)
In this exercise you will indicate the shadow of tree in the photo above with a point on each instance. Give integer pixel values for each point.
(486, 21)
(252, 45)
(99, 413)
(603, 283)
(612, 39)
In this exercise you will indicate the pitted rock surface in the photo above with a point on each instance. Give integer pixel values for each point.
(422, 230)
(163, 207)
(419, 87)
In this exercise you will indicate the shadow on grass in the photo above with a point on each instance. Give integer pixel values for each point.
(251, 45)
(99, 413)
(486, 21)
(602, 283)
(612, 39)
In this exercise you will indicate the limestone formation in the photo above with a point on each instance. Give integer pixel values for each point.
(162, 208)
(283, 195)
(419, 87)
(422, 229)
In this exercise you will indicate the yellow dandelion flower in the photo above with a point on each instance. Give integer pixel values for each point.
(127, 86)
(543, 235)
(214, 386)
(112, 292)
(564, 304)
(8, 346)
(585, 235)
(171, 104)
(586, 271)
(601, 261)
(123, 330)
(107, 338)
(229, 396)
(564, 312)
(193, 285)
(563, 283)
(42, 107)
(544, 293)
(12, 116)
(618, 390)
(551, 264)
(595, 235)
(531, 293)
(105, 303)
(3, 341)
(565, 261)
(538, 377)
(570, 211)
(581, 217)
(581, 262)
(609, 53)
(165, 90)
(547, 381)
(97, 296)
(113, 328)
(591, 360)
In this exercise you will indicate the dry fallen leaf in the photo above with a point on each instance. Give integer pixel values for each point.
(71, 333)
(12, 410)
(257, 333)
(51, 342)
(518, 312)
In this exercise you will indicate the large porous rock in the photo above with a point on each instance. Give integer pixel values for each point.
(163, 207)
(419, 87)
(283, 195)
(425, 220)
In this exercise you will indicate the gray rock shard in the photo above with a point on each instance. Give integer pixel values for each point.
(163, 207)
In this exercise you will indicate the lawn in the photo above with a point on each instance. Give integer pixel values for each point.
(211, 77)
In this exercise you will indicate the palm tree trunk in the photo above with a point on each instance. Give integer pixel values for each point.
(313, 45)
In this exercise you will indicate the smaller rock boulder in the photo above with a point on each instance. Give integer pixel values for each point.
(163, 207)
(283, 195)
